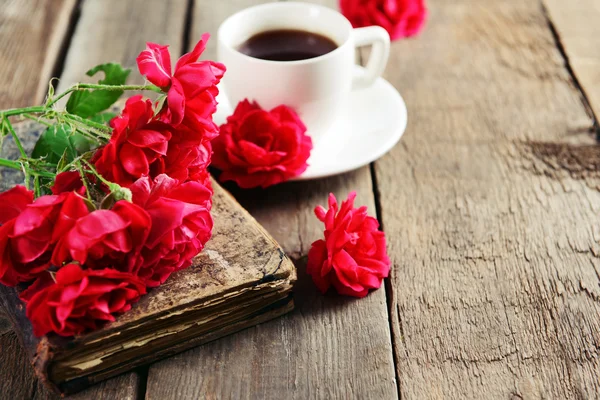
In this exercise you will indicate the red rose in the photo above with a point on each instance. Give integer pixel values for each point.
(13, 201)
(79, 300)
(261, 148)
(106, 238)
(68, 181)
(401, 18)
(191, 89)
(181, 225)
(188, 161)
(353, 256)
(27, 241)
(137, 146)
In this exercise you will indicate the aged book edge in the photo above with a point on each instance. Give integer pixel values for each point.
(42, 352)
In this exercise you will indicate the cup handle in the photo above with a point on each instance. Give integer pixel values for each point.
(379, 40)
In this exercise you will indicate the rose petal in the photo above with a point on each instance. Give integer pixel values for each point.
(155, 64)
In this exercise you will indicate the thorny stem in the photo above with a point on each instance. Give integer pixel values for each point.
(90, 123)
(14, 135)
(18, 111)
(98, 132)
(36, 186)
(18, 165)
(88, 194)
(84, 86)
(36, 119)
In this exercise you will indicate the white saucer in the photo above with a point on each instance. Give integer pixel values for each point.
(370, 124)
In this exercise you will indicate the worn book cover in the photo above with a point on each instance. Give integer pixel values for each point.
(240, 279)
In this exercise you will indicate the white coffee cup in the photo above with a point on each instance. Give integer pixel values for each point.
(317, 87)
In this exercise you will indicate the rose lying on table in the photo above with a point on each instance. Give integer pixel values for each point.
(400, 18)
(352, 257)
(109, 211)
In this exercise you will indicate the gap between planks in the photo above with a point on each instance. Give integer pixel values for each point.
(576, 83)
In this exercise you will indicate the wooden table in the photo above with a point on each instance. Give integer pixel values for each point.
(490, 203)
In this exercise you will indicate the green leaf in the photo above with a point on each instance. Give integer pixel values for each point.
(80, 144)
(58, 145)
(103, 118)
(87, 103)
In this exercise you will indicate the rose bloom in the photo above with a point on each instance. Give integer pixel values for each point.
(261, 148)
(352, 258)
(181, 224)
(13, 201)
(400, 18)
(188, 160)
(27, 240)
(106, 238)
(68, 181)
(137, 145)
(78, 300)
(191, 88)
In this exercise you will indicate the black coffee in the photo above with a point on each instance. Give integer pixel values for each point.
(287, 45)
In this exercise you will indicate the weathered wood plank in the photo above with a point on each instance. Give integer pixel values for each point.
(31, 35)
(329, 347)
(491, 206)
(576, 24)
(114, 30)
(17, 380)
(122, 387)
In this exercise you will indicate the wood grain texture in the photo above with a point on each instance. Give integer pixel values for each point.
(17, 380)
(576, 24)
(328, 347)
(31, 35)
(117, 30)
(122, 387)
(490, 203)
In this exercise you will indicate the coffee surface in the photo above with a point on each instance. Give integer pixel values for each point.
(287, 45)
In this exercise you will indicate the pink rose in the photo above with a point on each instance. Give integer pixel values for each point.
(353, 256)
(181, 224)
(79, 300)
(188, 159)
(13, 201)
(137, 145)
(27, 241)
(191, 88)
(261, 148)
(68, 181)
(401, 18)
(106, 239)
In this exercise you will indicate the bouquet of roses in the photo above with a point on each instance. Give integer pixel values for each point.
(109, 210)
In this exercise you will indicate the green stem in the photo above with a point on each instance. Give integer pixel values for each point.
(36, 119)
(24, 110)
(119, 87)
(81, 125)
(14, 135)
(95, 173)
(36, 186)
(44, 174)
(85, 86)
(10, 164)
(17, 165)
(88, 122)
(88, 194)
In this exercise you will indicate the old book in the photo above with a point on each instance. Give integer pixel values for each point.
(240, 279)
